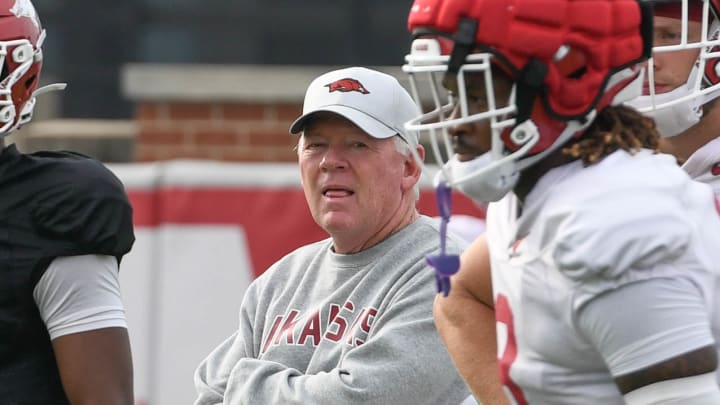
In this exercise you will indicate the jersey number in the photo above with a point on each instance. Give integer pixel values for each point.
(503, 314)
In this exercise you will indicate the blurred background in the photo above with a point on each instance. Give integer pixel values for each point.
(189, 103)
(90, 44)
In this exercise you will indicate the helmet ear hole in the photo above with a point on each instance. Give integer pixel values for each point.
(22, 53)
(7, 113)
(30, 81)
(570, 62)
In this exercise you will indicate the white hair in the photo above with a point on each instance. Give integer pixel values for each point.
(404, 149)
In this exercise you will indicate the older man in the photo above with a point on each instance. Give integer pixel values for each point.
(347, 320)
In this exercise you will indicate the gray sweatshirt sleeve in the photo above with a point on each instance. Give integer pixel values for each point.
(402, 362)
(322, 328)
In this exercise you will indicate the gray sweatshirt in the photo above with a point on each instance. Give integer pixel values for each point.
(324, 328)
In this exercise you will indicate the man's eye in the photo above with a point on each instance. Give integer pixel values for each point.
(668, 37)
(477, 99)
(359, 145)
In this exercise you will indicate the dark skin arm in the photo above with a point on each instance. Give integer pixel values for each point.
(96, 367)
(466, 322)
(696, 362)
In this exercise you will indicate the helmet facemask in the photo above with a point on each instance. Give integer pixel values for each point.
(21, 62)
(677, 110)
(562, 75)
(491, 174)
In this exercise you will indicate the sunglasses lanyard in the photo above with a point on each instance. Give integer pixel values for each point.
(445, 265)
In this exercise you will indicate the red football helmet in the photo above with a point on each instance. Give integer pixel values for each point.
(568, 59)
(21, 40)
(684, 26)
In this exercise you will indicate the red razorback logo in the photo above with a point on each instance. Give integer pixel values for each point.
(715, 170)
(346, 86)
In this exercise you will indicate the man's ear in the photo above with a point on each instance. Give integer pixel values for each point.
(412, 166)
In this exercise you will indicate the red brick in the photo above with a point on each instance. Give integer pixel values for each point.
(190, 111)
(280, 155)
(244, 112)
(147, 112)
(287, 112)
(239, 154)
(160, 136)
(271, 136)
(142, 154)
(210, 136)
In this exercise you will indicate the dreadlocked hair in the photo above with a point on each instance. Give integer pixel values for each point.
(615, 127)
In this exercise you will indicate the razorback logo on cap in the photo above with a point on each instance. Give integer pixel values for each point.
(715, 170)
(347, 85)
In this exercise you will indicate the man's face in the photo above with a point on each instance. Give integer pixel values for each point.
(475, 138)
(353, 183)
(671, 69)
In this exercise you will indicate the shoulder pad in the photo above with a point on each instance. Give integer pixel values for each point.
(87, 205)
(616, 232)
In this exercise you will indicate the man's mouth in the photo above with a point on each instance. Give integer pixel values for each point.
(336, 192)
(464, 156)
(659, 88)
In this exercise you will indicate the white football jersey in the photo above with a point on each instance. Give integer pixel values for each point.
(583, 232)
(704, 165)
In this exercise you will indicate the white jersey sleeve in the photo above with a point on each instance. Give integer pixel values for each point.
(660, 319)
(80, 293)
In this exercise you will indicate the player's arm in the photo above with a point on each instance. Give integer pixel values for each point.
(96, 366)
(659, 348)
(78, 297)
(466, 322)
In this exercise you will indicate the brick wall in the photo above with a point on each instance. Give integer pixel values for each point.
(227, 131)
(229, 113)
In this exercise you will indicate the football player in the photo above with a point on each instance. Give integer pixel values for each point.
(65, 223)
(682, 86)
(600, 258)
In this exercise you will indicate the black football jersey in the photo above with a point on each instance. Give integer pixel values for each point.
(52, 204)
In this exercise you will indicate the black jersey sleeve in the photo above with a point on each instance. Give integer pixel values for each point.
(88, 207)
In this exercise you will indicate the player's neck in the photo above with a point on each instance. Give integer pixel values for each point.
(695, 137)
(684, 145)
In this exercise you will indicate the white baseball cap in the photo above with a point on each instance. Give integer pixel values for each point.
(374, 101)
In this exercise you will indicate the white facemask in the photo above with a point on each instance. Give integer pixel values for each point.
(677, 118)
(672, 120)
(482, 179)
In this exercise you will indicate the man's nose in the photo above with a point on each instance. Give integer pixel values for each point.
(334, 158)
(456, 129)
